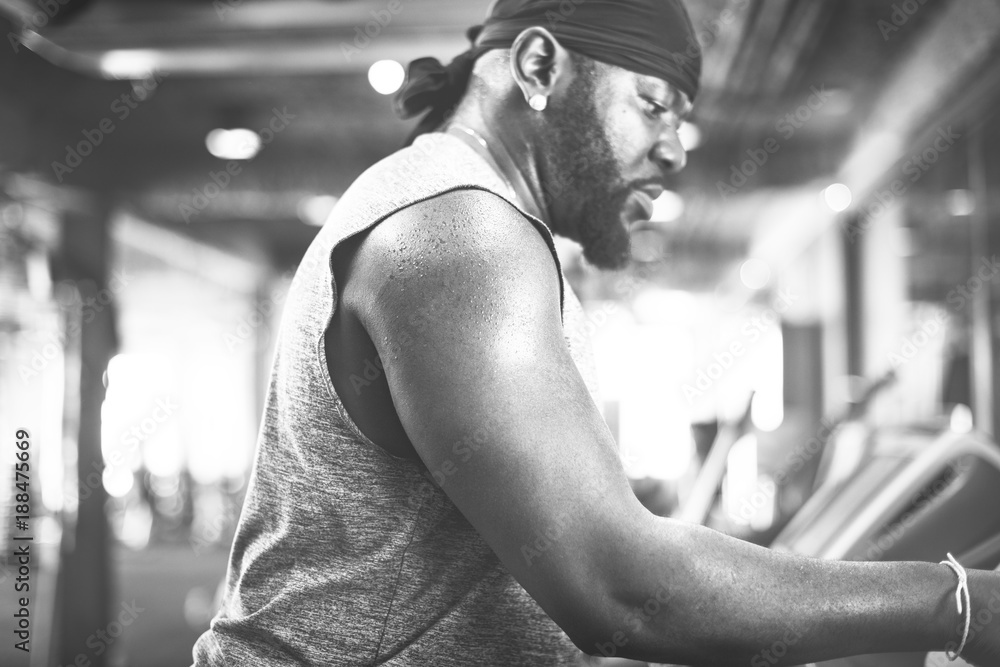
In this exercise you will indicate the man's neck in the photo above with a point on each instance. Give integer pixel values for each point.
(513, 159)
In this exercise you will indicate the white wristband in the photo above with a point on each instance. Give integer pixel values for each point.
(964, 605)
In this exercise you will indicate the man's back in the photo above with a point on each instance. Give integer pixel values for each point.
(346, 554)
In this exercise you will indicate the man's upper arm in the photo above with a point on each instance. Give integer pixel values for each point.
(461, 298)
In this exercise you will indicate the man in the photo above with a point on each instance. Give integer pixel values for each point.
(434, 484)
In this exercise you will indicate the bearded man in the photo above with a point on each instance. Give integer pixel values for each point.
(434, 483)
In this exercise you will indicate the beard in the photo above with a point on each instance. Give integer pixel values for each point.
(582, 173)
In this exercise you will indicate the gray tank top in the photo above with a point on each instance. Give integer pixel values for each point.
(344, 554)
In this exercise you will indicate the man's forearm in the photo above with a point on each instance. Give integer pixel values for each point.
(723, 601)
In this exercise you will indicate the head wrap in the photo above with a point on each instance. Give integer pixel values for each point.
(653, 37)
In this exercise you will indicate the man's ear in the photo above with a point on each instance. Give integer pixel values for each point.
(538, 62)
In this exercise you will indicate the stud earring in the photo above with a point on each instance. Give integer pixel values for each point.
(538, 102)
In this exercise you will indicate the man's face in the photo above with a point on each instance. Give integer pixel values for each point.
(609, 142)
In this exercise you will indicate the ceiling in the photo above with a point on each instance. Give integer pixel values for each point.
(239, 62)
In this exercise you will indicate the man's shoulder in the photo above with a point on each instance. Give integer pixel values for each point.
(466, 225)
(466, 240)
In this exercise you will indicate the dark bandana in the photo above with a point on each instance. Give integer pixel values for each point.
(653, 37)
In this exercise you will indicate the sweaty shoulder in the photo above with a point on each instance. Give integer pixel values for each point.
(462, 246)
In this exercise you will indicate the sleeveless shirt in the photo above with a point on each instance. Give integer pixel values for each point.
(345, 554)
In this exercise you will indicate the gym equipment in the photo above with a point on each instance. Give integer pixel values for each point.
(921, 493)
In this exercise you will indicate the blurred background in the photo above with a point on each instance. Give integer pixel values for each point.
(827, 264)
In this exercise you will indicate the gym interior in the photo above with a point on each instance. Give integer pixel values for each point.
(803, 352)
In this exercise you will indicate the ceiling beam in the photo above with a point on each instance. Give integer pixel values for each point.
(939, 62)
(937, 66)
(243, 38)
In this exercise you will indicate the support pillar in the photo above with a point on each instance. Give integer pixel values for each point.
(85, 583)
